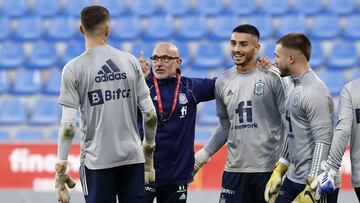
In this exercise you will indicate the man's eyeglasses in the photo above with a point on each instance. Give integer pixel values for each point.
(165, 59)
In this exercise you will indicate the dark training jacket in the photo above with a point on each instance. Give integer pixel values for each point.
(174, 152)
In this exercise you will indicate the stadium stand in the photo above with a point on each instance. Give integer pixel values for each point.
(13, 8)
(27, 82)
(159, 28)
(309, 7)
(176, 7)
(12, 55)
(29, 28)
(38, 37)
(126, 27)
(46, 8)
(244, 7)
(62, 28)
(209, 7)
(5, 28)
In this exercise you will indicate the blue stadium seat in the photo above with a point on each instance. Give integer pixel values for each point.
(43, 55)
(184, 52)
(13, 8)
(73, 8)
(52, 86)
(341, 7)
(335, 80)
(269, 50)
(4, 136)
(209, 56)
(207, 114)
(192, 27)
(73, 48)
(29, 28)
(243, 7)
(275, 7)
(45, 112)
(223, 26)
(355, 74)
(352, 27)
(11, 55)
(209, 7)
(126, 27)
(317, 58)
(263, 23)
(62, 28)
(29, 135)
(27, 82)
(4, 82)
(229, 61)
(159, 28)
(5, 28)
(177, 7)
(139, 46)
(202, 135)
(13, 111)
(308, 7)
(144, 7)
(291, 23)
(115, 7)
(343, 55)
(192, 72)
(322, 29)
(46, 8)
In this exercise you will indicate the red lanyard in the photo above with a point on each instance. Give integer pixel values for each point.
(157, 90)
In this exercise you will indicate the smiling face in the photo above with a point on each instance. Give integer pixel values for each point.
(244, 48)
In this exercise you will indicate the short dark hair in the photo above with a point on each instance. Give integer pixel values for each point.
(92, 16)
(247, 28)
(297, 41)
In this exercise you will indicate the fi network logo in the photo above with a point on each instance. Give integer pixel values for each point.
(109, 72)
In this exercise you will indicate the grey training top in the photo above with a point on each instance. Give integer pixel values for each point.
(253, 102)
(348, 126)
(309, 111)
(105, 84)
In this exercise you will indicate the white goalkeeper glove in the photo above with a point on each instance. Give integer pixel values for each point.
(201, 158)
(149, 163)
(325, 182)
(62, 178)
(273, 185)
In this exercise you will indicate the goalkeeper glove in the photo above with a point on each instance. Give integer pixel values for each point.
(149, 163)
(274, 183)
(308, 194)
(201, 158)
(325, 182)
(61, 178)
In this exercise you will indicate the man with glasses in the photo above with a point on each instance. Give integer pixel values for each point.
(175, 98)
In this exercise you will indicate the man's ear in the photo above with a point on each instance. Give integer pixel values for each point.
(179, 61)
(291, 58)
(81, 28)
(107, 30)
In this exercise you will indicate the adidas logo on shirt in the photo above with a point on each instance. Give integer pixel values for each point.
(182, 197)
(109, 72)
(229, 93)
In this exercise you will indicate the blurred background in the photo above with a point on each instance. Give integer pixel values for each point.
(37, 37)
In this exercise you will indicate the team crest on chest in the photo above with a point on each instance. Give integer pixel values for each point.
(296, 100)
(182, 98)
(259, 88)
